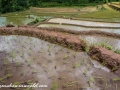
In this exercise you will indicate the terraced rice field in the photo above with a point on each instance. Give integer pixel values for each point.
(52, 65)
(28, 60)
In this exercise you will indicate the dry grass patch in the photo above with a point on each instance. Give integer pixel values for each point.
(54, 10)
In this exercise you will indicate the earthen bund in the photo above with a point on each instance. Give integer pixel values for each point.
(68, 40)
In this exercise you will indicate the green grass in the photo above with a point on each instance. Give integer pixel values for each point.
(107, 13)
(103, 14)
(30, 62)
(54, 86)
(55, 4)
(107, 46)
(76, 65)
(70, 83)
(116, 79)
(34, 22)
(117, 51)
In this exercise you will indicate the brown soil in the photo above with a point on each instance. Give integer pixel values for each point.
(67, 82)
(106, 6)
(112, 60)
(12, 70)
(54, 10)
(52, 65)
(47, 22)
(106, 57)
(10, 25)
(91, 32)
(66, 40)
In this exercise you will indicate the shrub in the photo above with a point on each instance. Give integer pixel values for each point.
(117, 51)
(54, 86)
(107, 46)
(34, 22)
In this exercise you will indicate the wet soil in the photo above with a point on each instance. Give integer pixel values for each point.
(109, 33)
(66, 40)
(106, 57)
(77, 27)
(98, 40)
(84, 23)
(63, 69)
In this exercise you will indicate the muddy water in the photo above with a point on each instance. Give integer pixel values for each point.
(33, 59)
(2, 21)
(14, 20)
(98, 40)
(20, 18)
(79, 28)
(84, 23)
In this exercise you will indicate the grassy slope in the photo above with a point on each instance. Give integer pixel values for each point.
(69, 12)
(108, 13)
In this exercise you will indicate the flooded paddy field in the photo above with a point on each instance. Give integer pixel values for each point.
(26, 60)
(12, 20)
(79, 28)
(84, 23)
(99, 40)
(20, 19)
(80, 25)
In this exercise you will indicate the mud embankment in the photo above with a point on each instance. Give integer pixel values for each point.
(103, 55)
(96, 27)
(83, 23)
(106, 57)
(66, 40)
(91, 32)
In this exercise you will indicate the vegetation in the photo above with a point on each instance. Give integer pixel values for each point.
(13, 5)
(70, 83)
(77, 60)
(104, 13)
(18, 5)
(34, 22)
(117, 51)
(76, 65)
(116, 79)
(54, 86)
(107, 46)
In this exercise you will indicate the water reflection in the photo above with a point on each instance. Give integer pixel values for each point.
(79, 28)
(84, 23)
(14, 20)
(98, 40)
(2, 21)
(20, 18)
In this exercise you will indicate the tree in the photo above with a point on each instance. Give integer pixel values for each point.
(14, 5)
(18, 5)
(36, 3)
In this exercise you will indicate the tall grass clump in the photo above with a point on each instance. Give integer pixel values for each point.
(34, 22)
